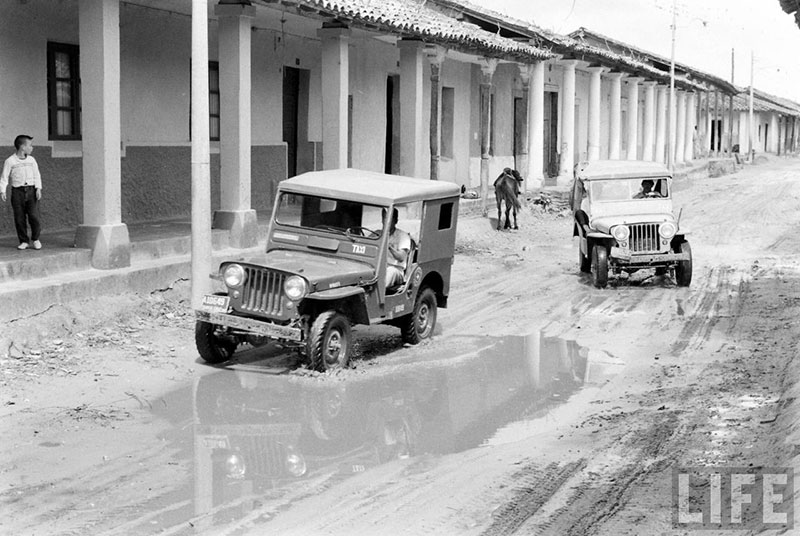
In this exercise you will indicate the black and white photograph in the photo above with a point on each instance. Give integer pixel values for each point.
(400, 267)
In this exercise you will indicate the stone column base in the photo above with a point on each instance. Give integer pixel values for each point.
(242, 224)
(110, 245)
(564, 180)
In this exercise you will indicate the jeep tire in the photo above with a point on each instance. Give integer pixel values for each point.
(420, 323)
(329, 342)
(599, 266)
(683, 271)
(211, 347)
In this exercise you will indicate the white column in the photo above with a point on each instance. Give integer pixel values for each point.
(236, 213)
(649, 120)
(412, 148)
(536, 127)
(335, 91)
(615, 116)
(743, 134)
(201, 168)
(488, 66)
(594, 112)
(661, 124)
(102, 229)
(522, 159)
(633, 117)
(435, 57)
(681, 127)
(567, 123)
(691, 118)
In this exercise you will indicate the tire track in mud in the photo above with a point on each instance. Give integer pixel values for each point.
(534, 487)
(596, 498)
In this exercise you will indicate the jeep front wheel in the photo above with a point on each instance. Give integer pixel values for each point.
(599, 266)
(211, 345)
(683, 271)
(329, 341)
(420, 323)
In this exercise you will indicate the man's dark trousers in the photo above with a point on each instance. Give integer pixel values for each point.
(26, 210)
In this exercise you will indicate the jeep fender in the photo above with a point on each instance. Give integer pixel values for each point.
(350, 301)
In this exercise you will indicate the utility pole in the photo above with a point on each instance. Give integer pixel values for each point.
(671, 133)
(750, 113)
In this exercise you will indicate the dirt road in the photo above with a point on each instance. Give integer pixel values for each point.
(543, 405)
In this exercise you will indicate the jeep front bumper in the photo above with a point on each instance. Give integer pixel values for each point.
(626, 258)
(258, 327)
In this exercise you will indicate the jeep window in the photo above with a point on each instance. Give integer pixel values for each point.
(624, 189)
(335, 215)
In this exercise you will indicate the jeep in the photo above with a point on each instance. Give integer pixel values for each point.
(624, 221)
(325, 267)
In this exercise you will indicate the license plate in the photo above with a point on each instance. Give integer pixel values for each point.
(215, 442)
(215, 304)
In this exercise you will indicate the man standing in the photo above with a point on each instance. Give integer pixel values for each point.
(22, 171)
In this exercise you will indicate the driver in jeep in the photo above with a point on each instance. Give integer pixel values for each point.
(399, 247)
(647, 190)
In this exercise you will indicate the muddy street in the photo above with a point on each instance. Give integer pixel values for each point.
(543, 405)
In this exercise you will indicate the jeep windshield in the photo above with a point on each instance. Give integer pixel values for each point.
(333, 215)
(627, 189)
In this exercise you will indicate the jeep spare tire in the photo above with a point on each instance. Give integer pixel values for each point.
(329, 341)
(683, 271)
(420, 323)
(210, 345)
(599, 266)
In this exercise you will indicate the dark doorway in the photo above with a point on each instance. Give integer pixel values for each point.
(392, 154)
(520, 127)
(291, 106)
(716, 135)
(766, 137)
(550, 137)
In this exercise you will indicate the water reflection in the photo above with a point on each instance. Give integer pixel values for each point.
(259, 435)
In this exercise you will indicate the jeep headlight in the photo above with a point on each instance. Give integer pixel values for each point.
(234, 466)
(621, 232)
(667, 229)
(233, 275)
(295, 287)
(295, 463)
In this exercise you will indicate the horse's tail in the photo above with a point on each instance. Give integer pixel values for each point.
(515, 200)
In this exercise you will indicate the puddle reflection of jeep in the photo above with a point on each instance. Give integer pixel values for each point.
(624, 221)
(329, 243)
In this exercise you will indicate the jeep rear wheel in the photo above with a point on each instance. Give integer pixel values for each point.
(599, 266)
(419, 324)
(329, 342)
(683, 271)
(212, 346)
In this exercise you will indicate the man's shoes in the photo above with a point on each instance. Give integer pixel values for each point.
(22, 245)
(37, 244)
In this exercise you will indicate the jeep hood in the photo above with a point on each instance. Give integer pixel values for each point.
(321, 271)
(604, 223)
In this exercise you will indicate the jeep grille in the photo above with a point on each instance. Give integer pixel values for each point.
(644, 238)
(262, 292)
(264, 456)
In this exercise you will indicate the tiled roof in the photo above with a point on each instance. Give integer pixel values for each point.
(568, 46)
(764, 102)
(413, 19)
(645, 55)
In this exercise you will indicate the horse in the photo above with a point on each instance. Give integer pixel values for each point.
(507, 188)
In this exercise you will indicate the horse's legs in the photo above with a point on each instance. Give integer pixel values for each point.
(498, 213)
(515, 218)
(508, 221)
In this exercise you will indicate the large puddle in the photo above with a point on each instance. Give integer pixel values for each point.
(257, 436)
